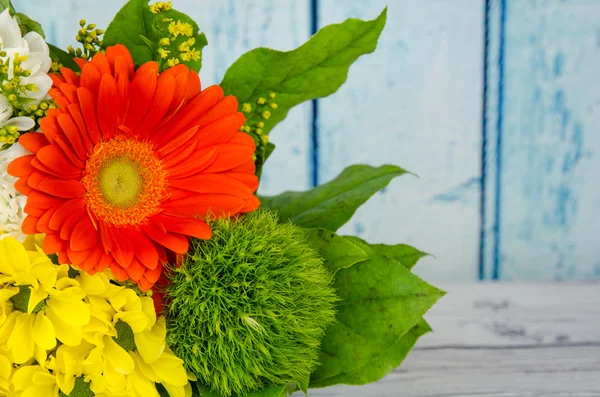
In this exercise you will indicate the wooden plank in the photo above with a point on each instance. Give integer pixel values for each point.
(501, 340)
(232, 28)
(516, 372)
(415, 102)
(519, 315)
(549, 218)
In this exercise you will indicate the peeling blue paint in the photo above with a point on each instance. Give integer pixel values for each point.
(458, 193)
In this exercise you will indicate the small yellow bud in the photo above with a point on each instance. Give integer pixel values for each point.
(261, 101)
(266, 115)
(44, 106)
(31, 87)
(272, 95)
(259, 131)
(163, 53)
(164, 41)
(191, 41)
(82, 22)
(12, 97)
(33, 108)
(40, 113)
(264, 138)
(246, 108)
(91, 26)
(184, 56)
(260, 124)
(273, 105)
(247, 128)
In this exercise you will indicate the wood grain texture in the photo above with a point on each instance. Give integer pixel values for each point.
(415, 102)
(501, 340)
(550, 159)
(232, 27)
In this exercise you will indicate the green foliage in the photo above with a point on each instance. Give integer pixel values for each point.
(405, 254)
(124, 337)
(379, 317)
(29, 25)
(144, 34)
(4, 4)
(331, 205)
(131, 22)
(314, 70)
(381, 364)
(81, 389)
(63, 58)
(249, 307)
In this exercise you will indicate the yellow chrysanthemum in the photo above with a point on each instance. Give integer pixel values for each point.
(65, 330)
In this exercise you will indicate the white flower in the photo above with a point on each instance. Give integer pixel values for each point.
(11, 201)
(33, 46)
(22, 123)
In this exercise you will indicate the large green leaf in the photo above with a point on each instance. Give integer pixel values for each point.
(339, 252)
(4, 4)
(381, 301)
(405, 254)
(29, 25)
(314, 70)
(381, 364)
(131, 22)
(331, 205)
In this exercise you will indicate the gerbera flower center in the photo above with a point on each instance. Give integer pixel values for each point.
(124, 182)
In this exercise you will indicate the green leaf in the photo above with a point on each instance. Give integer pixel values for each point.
(339, 252)
(273, 391)
(63, 57)
(331, 205)
(314, 70)
(381, 302)
(405, 254)
(29, 25)
(134, 19)
(380, 365)
(4, 4)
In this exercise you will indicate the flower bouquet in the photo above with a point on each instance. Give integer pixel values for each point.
(136, 258)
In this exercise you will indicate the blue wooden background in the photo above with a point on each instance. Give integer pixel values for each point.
(495, 104)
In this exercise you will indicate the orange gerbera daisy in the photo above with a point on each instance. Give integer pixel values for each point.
(130, 165)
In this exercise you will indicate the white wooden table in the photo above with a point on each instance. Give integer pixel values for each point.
(501, 340)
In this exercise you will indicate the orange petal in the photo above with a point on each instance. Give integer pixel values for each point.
(193, 86)
(73, 135)
(143, 88)
(84, 235)
(70, 76)
(90, 78)
(50, 127)
(220, 205)
(229, 156)
(53, 160)
(135, 270)
(63, 212)
(165, 89)
(187, 226)
(101, 63)
(108, 105)
(21, 166)
(201, 160)
(64, 188)
(88, 110)
(174, 242)
(29, 225)
(221, 130)
(213, 183)
(53, 244)
(33, 141)
(77, 116)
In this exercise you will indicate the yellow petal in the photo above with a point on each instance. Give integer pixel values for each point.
(43, 379)
(21, 342)
(75, 313)
(144, 368)
(7, 293)
(149, 309)
(178, 391)
(119, 359)
(93, 285)
(37, 295)
(114, 381)
(22, 377)
(45, 273)
(13, 256)
(67, 334)
(43, 332)
(136, 320)
(143, 386)
(151, 344)
(7, 328)
(169, 369)
(40, 355)
(5, 367)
